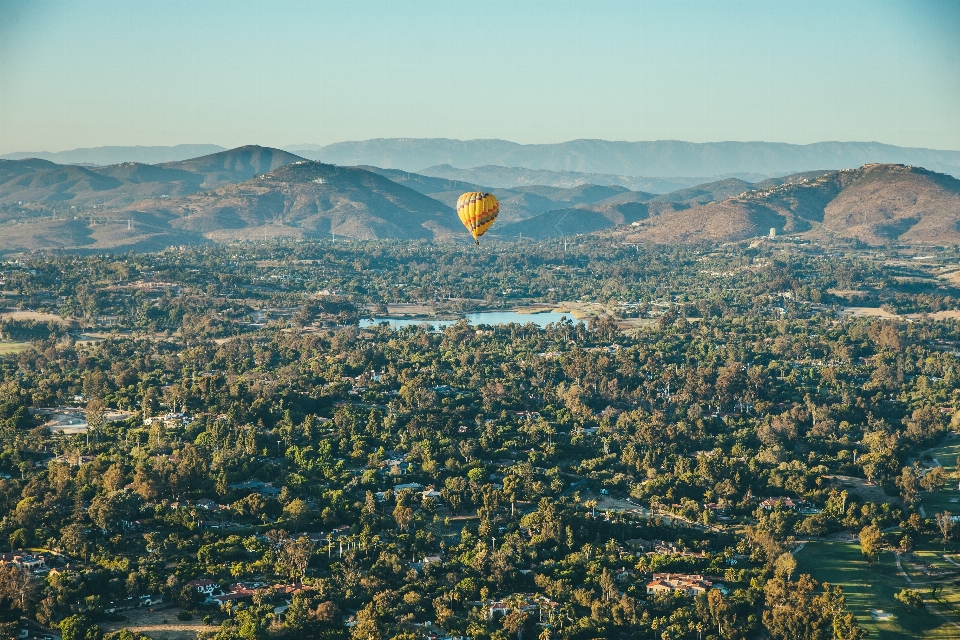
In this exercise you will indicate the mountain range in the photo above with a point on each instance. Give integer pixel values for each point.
(116, 155)
(256, 192)
(620, 161)
(658, 159)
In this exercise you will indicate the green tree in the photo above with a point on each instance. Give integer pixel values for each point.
(870, 541)
(912, 599)
(80, 627)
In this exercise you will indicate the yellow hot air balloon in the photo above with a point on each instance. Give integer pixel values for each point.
(477, 212)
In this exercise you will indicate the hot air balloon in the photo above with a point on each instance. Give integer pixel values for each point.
(477, 212)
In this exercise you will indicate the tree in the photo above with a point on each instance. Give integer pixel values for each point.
(297, 513)
(95, 413)
(934, 479)
(110, 512)
(911, 599)
(793, 612)
(870, 541)
(945, 524)
(909, 487)
(403, 515)
(296, 555)
(17, 588)
(80, 627)
(785, 565)
(368, 625)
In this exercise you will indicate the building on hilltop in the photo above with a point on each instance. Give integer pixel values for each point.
(689, 585)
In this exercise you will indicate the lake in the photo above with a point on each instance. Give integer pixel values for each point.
(485, 317)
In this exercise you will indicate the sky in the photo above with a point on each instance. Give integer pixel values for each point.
(89, 73)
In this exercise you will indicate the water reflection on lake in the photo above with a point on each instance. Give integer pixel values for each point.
(485, 317)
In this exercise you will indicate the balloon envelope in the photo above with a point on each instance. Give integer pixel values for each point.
(477, 211)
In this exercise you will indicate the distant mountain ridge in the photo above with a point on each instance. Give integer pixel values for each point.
(659, 159)
(647, 159)
(116, 155)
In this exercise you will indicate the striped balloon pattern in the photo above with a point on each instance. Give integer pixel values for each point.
(477, 212)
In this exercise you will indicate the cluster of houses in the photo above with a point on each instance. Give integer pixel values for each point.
(169, 420)
(214, 594)
(687, 584)
(525, 602)
(793, 504)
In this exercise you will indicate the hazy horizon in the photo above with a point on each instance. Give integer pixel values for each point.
(307, 145)
(91, 74)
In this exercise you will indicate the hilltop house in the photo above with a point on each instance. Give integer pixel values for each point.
(689, 585)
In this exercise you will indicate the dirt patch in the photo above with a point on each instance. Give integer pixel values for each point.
(937, 315)
(161, 624)
(867, 312)
(32, 315)
(953, 277)
(866, 491)
(410, 310)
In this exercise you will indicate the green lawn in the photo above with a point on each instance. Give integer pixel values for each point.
(872, 587)
(946, 454)
(13, 347)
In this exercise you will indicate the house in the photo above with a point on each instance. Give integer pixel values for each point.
(689, 585)
(206, 586)
(431, 493)
(208, 504)
(789, 503)
(263, 488)
(24, 560)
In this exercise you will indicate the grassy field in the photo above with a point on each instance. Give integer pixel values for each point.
(13, 347)
(870, 588)
(946, 454)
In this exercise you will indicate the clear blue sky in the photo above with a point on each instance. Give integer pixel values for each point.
(101, 72)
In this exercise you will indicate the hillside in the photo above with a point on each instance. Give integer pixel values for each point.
(706, 193)
(46, 183)
(312, 200)
(261, 192)
(234, 165)
(516, 204)
(875, 204)
(513, 177)
(658, 159)
(145, 207)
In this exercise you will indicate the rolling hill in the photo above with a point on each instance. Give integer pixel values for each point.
(40, 181)
(234, 165)
(307, 199)
(513, 177)
(256, 192)
(144, 207)
(875, 204)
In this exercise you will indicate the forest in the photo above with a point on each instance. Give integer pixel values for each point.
(263, 455)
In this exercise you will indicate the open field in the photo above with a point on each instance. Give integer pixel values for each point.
(867, 312)
(158, 624)
(870, 589)
(13, 347)
(32, 315)
(946, 454)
